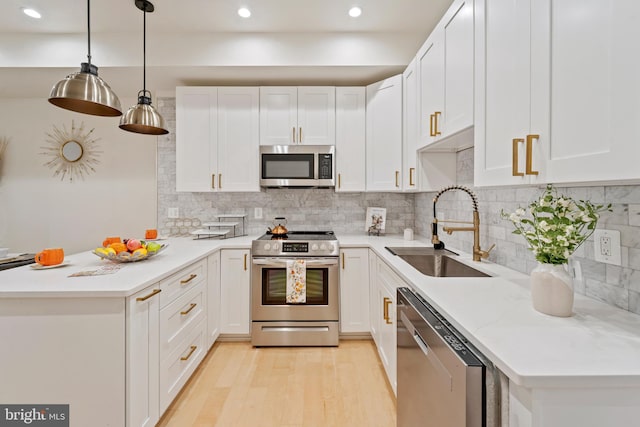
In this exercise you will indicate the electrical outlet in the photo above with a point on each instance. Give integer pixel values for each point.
(173, 213)
(607, 246)
(257, 213)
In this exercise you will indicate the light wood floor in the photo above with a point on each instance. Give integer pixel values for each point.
(240, 386)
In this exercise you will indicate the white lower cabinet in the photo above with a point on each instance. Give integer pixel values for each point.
(354, 284)
(375, 313)
(143, 356)
(213, 298)
(235, 296)
(387, 283)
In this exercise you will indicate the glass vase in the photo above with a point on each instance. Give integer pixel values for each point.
(552, 290)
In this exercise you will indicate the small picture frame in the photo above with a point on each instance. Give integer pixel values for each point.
(375, 221)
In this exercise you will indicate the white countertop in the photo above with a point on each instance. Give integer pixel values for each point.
(24, 281)
(599, 346)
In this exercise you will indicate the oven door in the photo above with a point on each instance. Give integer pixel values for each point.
(269, 286)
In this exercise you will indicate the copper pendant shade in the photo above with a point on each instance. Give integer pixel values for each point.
(84, 91)
(143, 117)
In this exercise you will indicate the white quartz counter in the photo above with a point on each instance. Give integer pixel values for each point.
(133, 276)
(599, 346)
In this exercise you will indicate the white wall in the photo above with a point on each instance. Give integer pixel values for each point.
(38, 210)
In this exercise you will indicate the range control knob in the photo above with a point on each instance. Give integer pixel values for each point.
(276, 246)
(331, 247)
(323, 247)
(267, 246)
(314, 247)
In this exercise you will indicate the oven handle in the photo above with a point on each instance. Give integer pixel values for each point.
(282, 262)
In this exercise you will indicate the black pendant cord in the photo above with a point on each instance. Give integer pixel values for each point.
(144, 52)
(89, 32)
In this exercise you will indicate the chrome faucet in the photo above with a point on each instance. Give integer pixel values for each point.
(478, 254)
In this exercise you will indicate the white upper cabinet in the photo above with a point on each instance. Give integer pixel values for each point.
(556, 101)
(350, 139)
(384, 135)
(217, 139)
(445, 74)
(196, 138)
(409, 126)
(297, 115)
(238, 136)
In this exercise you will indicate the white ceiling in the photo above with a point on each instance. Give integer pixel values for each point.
(205, 42)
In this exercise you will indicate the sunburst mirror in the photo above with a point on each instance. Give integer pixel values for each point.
(74, 152)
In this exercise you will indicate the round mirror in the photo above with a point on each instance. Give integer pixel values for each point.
(71, 151)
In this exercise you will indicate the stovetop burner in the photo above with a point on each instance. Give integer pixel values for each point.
(300, 235)
(296, 243)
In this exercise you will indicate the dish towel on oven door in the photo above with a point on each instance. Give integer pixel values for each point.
(296, 281)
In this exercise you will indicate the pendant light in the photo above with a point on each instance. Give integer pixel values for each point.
(85, 92)
(143, 117)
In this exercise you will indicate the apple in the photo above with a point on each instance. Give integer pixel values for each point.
(133, 244)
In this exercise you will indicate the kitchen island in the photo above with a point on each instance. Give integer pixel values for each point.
(65, 338)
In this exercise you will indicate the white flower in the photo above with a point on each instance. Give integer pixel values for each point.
(586, 219)
(545, 239)
(564, 202)
(544, 203)
(569, 229)
(544, 226)
(515, 218)
(520, 212)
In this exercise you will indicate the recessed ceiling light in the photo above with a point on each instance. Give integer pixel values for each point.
(32, 13)
(244, 12)
(355, 11)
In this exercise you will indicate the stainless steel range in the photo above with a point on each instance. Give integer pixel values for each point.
(311, 323)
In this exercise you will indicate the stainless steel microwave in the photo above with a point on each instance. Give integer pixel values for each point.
(297, 166)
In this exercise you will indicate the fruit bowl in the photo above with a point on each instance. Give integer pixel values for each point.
(127, 256)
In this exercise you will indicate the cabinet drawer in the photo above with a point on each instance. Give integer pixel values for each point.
(181, 282)
(177, 368)
(179, 317)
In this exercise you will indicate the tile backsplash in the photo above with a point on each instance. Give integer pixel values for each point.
(318, 209)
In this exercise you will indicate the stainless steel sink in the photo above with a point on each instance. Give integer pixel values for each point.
(435, 263)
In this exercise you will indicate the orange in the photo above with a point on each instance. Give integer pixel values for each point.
(118, 247)
(151, 234)
(110, 240)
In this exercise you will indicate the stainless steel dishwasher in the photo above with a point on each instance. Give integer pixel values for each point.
(442, 380)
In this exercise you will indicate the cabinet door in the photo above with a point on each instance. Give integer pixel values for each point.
(388, 282)
(458, 67)
(354, 290)
(143, 358)
(238, 139)
(410, 126)
(384, 135)
(430, 63)
(235, 271)
(502, 90)
(317, 115)
(375, 313)
(278, 115)
(350, 139)
(213, 298)
(196, 138)
(586, 109)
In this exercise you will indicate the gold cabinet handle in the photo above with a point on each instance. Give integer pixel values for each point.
(219, 180)
(300, 136)
(397, 175)
(411, 172)
(191, 307)
(339, 180)
(293, 133)
(514, 168)
(529, 163)
(342, 260)
(155, 292)
(386, 301)
(193, 348)
(435, 121)
(431, 131)
(191, 277)
(213, 180)
(245, 262)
